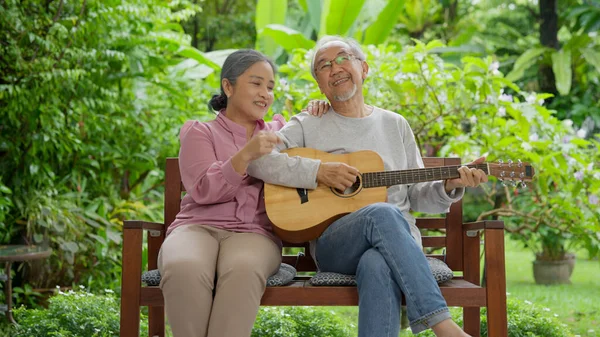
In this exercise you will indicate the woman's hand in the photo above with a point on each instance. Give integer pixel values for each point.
(262, 143)
(317, 108)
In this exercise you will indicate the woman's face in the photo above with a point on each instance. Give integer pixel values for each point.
(252, 94)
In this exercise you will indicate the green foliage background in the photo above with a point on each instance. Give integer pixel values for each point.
(92, 95)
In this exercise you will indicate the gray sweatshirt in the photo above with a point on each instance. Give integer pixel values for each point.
(384, 132)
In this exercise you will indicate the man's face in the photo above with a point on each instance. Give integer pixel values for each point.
(340, 73)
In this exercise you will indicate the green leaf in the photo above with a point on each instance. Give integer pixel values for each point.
(269, 12)
(286, 37)
(339, 15)
(219, 56)
(314, 13)
(379, 30)
(592, 57)
(303, 5)
(561, 66)
(193, 53)
(523, 62)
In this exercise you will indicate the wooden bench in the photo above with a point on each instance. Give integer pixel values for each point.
(462, 251)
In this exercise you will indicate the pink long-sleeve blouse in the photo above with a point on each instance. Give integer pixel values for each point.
(217, 195)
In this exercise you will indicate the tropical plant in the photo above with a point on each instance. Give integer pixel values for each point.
(92, 95)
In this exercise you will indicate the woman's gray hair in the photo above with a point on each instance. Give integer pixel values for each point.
(235, 65)
(352, 43)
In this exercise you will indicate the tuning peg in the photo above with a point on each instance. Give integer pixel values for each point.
(501, 162)
(520, 163)
(510, 162)
(513, 183)
(523, 184)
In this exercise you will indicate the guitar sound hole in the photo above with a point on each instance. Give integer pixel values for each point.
(350, 190)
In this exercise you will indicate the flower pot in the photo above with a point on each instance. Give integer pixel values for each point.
(554, 272)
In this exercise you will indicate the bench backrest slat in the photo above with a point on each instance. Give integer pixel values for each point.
(451, 225)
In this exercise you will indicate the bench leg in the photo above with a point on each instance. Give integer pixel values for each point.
(472, 321)
(471, 315)
(495, 283)
(156, 321)
(131, 283)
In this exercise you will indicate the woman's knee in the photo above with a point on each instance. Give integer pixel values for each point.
(189, 268)
(249, 266)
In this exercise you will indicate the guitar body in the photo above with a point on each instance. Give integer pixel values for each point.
(300, 215)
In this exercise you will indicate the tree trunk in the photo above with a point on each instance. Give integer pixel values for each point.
(548, 38)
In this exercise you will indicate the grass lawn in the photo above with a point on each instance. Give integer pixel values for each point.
(577, 304)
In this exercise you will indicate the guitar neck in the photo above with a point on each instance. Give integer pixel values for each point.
(407, 177)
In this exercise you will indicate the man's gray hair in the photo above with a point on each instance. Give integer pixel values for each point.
(354, 48)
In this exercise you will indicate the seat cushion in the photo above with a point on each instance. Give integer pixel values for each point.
(441, 272)
(283, 276)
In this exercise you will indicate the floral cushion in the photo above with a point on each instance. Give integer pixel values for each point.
(283, 276)
(441, 272)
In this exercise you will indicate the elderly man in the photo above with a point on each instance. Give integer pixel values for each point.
(379, 243)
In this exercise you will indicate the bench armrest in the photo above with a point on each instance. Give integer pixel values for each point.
(144, 225)
(484, 224)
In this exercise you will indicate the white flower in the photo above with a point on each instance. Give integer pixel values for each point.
(526, 146)
(473, 119)
(528, 302)
(581, 133)
(109, 291)
(567, 122)
(590, 166)
(501, 111)
(419, 57)
(534, 137)
(531, 99)
(443, 98)
(440, 122)
(555, 315)
(400, 76)
(579, 175)
(593, 199)
(546, 309)
(494, 68)
(505, 98)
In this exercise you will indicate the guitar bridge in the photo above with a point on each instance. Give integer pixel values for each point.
(303, 193)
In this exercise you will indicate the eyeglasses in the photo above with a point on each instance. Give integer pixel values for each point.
(341, 59)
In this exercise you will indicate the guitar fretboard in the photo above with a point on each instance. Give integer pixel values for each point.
(407, 177)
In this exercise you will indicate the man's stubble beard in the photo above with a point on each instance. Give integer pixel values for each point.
(346, 96)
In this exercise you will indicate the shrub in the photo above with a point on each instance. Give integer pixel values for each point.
(299, 322)
(524, 320)
(73, 313)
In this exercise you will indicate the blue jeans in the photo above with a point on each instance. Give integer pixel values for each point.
(375, 244)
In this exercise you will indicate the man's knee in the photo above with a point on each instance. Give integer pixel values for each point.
(386, 214)
(372, 265)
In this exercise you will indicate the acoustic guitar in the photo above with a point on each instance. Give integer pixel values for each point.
(300, 215)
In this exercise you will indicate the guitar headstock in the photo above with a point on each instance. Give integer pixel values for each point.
(514, 172)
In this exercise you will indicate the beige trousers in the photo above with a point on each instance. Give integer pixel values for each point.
(196, 260)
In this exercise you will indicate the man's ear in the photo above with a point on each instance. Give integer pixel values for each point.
(365, 70)
(227, 87)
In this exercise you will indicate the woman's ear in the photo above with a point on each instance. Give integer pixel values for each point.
(227, 87)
